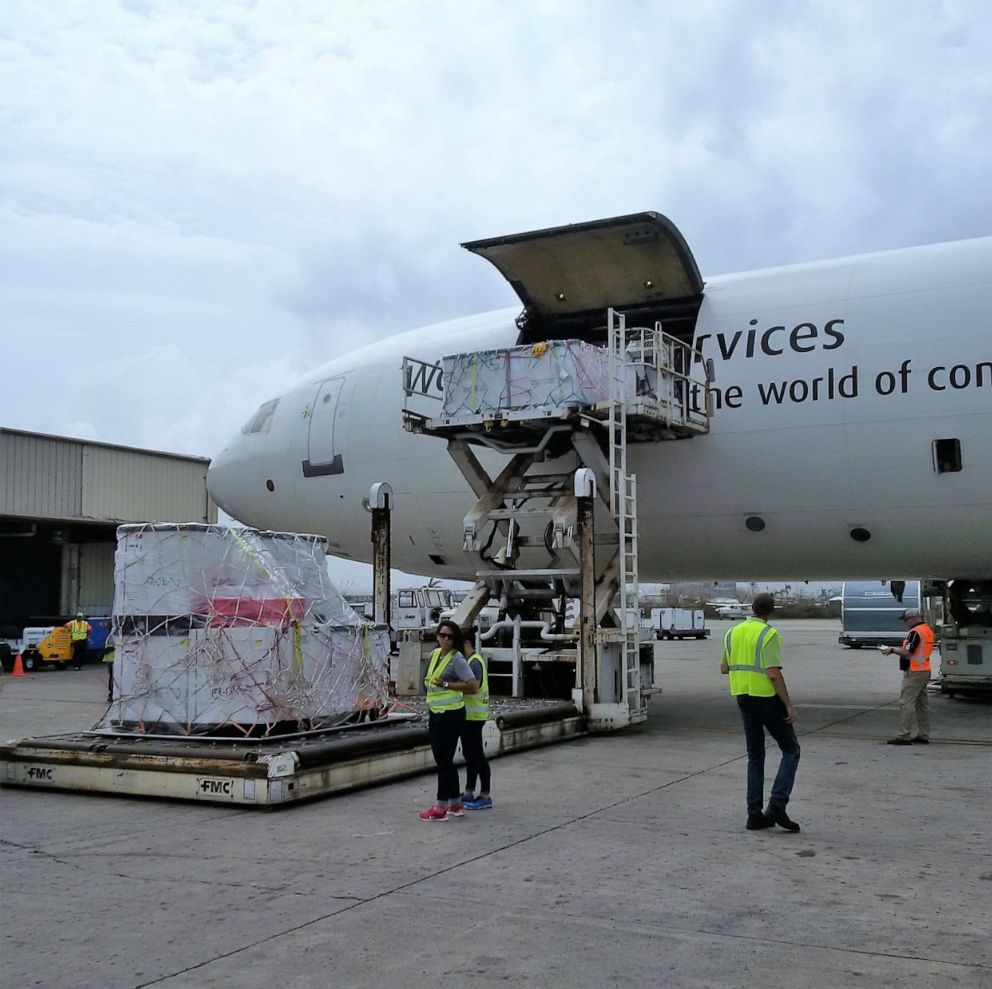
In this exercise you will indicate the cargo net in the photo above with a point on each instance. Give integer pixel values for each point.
(233, 632)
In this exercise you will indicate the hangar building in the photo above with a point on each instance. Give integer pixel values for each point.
(61, 501)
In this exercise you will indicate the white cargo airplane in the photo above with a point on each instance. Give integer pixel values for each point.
(851, 434)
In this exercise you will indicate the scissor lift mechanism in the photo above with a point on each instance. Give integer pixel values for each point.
(527, 493)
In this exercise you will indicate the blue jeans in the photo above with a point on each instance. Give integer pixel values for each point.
(759, 713)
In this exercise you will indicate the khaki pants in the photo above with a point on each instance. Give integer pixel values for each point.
(914, 706)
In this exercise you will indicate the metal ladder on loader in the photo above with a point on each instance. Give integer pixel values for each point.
(623, 502)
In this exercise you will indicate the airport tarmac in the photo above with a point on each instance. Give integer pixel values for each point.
(608, 861)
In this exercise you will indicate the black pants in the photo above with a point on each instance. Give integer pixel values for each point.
(78, 648)
(445, 730)
(476, 763)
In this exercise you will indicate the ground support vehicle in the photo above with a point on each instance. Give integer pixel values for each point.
(46, 648)
(965, 635)
(421, 607)
(679, 623)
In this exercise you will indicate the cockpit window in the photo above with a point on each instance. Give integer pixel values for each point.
(262, 419)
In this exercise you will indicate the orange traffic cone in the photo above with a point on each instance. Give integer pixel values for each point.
(18, 670)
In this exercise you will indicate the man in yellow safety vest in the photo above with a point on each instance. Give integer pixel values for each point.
(751, 659)
(79, 631)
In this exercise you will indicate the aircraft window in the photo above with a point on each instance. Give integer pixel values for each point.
(860, 535)
(947, 456)
(262, 419)
(434, 558)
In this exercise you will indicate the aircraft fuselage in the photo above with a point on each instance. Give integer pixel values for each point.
(846, 394)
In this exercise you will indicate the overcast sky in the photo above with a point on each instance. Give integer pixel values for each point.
(201, 200)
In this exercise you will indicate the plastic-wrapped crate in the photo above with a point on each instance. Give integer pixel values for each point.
(561, 374)
(244, 681)
(235, 631)
(202, 572)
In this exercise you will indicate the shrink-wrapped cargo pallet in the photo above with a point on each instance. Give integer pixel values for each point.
(557, 377)
(561, 374)
(234, 631)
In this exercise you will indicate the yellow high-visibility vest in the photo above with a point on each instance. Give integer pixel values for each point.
(78, 629)
(748, 650)
(477, 704)
(440, 699)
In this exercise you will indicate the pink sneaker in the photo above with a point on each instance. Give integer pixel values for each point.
(434, 814)
(456, 810)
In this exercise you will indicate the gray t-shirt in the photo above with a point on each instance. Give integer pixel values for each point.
(457, 669)
(476, 667)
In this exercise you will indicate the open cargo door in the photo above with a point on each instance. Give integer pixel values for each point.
(567, 277)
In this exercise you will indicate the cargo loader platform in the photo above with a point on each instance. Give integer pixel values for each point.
(263, 773)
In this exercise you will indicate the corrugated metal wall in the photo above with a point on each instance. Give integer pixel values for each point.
(134, 486)
(46, 477)
(96, 579)
(40, 476)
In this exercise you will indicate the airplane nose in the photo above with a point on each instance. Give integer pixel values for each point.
(221, 480)
(246, 479)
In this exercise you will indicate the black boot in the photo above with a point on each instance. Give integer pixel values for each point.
(777, 815)
(756, 821)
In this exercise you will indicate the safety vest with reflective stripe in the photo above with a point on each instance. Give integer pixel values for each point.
(78, 629)
(440, 699)
(477, 704)
(919, 660)
(748, 650)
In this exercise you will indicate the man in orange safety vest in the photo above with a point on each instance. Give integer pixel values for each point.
(914, 661)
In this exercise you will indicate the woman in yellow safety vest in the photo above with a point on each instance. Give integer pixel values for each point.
(476, 715)
(449, 678)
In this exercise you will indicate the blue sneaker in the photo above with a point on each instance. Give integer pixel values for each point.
(479, 803)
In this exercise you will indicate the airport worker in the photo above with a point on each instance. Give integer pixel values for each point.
(449, 678)
(751, 658)
(108, 658)
(79, 631)
(914, 661)
(476, 715)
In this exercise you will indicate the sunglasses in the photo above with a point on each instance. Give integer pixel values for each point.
(445, 635)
